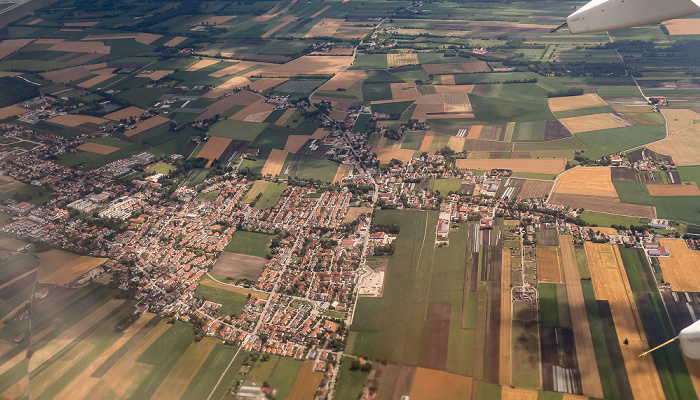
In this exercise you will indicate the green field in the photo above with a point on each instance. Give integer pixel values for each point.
(637, 267)
(525, 355)
(231, 303)
(238, 130)
(444, 186)
(413, 140)
(529, 132)
(284, 375)
(350, 383)
(633, 193)
(270, 196)
(35, 194)
(317, 168)
(610, 141)
(549, 307)
(606, 220)
(679, 208)
(250, 243)
(376, 91)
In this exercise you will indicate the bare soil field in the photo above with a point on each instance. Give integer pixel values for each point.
(610, 283)
(430, 384)
(506, 317)
(125, 113)
(11, 111)
(473, 67)
(144, 38)
(202, 64)
(354, 213)
(386, 155)
(254, 112)
(9, 46)
(447, 79)
(593, 181)
(680, 269)
(590, 378)
(453, 88)
(674, 190)
(295, 143)
(404, 91)
(97, 148)
(325, 28)
(266, 83)
(185, 369)
(155, 75)
(310, 65)
(146, 124)
(341, 172)
(534, 189)
(541, 166)
(689, 26)
(438, 336)
(238, 67)
(75, 120)
(557, 104)
(307, 382)
(95, 80)
(67, 74)
(81, 47)
(60, 267)
(274, 163)
(213, 148)
(8, 184)
(589, 123)
(242, 98)
(604, 204)
(239, 266)
(401, 59)
(344, 80)
(548, 265)
(474, 132)
(175, 41)
(508, 393)
(427, 141)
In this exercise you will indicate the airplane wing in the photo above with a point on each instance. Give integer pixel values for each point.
(607, 15)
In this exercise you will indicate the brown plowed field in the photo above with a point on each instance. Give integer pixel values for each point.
(274, 163)
(674, 190)
(593, 181)
(310, 65)
(590, 378)
(340, 173)
(202, 64)
(11, 111)
(476, 67)
(307, 382)
(233, 265)
(475, 131)
(295, 143)
(319, 134)
(242, 98)
(125, 113)
(610, 283)
(67, 74)
(386, 155)
(254, 109)
(175, 41)
(75, 120)
(213, 148)
(438, 336)
(604, 204)
(97, 148)
(508, 393)
(8, 47)
(506, 308)
(447, 79)
(588, 123)
(557, 104)
(325, 28)
(548, 265)
(690, 26)
(145, 38)
(427, 141)
(401, 59)
(146, 124)
(541, 166)
(533, 189)
(680, 269)
(344, 80)
(81, 47)
(354, 213)
(430, 384)
(404, 91)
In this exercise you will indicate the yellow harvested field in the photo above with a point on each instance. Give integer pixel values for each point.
(266, 83)
(96, 80)
(295, 143)
(325, 28)
(674, 190)
(11, 111)
(683, 137)
(549, 265)
(341, 172)
(282, 121)
(155, 75)
(306, 383)
(689, 26)
(694, 372)
(319, 134)
(443, 105)
(401, 59)
(8, 184)
(589, 123)
(504, 341)
(475, 131)
(593, 181)
(430, 384)
(75, 120)
(254, 112)
(285, 21)
(404, 91)
(44, 353)
(386, 155)
(344, 80)
(238, 67)
(213, 148)
(427, 141)
(541, 166)
(454, 88)
(81, 47)
(642, 108)
(258, 187)
(316, 65)
(234, 289)
(216, 20)
(274, 163)
(258, 116)
(456, 143)
(567, 103)
(202, 64)
(319, 12)
(125, 113)
(447, 79)
(175, 41)
(8, 47)
(590, 378)
(610, 283)
(61, 267)
(9, 73)
(184, 370)
(97, 148)
(147, 124)
(606, 231)
(508, 393)
(17, 390)
(681, 268)
(227, 87)
(354, 213)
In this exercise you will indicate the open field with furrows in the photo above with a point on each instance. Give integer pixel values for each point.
(558, 104)
(541, 166)
(535, 189)
(680, 269)
(593, 181)
(685, 26)
(610, 283)
(274, 163)
(454, 88)
(430, 384)
(239, 266)
(588, 123)
(75, 120)
(344, 80)
(60, 267)
(674, 190)
(683, 137)
(354, 213)
(401, 59)
(548, 265)
(590, 378)
(97, 148)
(602, 204)
(213, 148)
